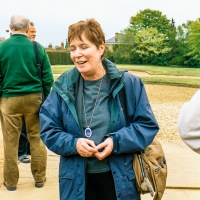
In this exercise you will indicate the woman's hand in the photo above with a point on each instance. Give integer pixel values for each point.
(85, 147)
(104, 149)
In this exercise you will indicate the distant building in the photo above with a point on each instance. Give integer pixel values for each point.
(112, 41)
(61, 47)
(50, 47)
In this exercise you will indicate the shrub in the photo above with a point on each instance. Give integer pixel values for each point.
(59, 57)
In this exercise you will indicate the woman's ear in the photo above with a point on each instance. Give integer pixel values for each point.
(102, 48)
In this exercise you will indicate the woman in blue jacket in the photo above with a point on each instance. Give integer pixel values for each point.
(84, 121)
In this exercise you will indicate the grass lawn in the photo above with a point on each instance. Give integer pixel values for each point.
(160, 70)
(191, 81)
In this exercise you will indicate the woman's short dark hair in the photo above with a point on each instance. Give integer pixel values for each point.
(91, 29)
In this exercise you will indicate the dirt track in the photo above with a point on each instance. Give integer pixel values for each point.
(166, 102)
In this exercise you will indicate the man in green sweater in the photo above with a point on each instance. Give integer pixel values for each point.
(21, 98)
(24, 145)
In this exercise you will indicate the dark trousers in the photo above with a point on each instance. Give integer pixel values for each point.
(100, 186)
(24, 146)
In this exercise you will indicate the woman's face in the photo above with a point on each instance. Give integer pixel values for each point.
(86, 57)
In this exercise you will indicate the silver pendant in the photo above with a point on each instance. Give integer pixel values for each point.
(88, 132)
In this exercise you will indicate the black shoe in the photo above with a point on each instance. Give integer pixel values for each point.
(24, 159)
(40, 184)
(9, 188)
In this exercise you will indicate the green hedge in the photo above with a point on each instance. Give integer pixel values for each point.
(59, 57)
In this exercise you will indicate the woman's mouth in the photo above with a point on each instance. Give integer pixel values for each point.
(81, 62)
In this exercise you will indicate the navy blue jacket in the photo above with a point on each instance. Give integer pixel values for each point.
(60, 131)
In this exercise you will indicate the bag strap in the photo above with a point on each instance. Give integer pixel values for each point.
(38, 65)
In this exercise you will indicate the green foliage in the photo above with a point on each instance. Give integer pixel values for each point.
(150, 19)
(119, 55)
(146, 40)
(59, 57)
(194, 40)
(178, 60)
(110, 55)
(151, 38)
(149, 44)
(181, 51)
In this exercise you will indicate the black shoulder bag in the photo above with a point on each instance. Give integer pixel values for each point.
(38, 65)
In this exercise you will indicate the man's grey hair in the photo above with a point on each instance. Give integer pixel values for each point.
(32, 24)
(19, 23)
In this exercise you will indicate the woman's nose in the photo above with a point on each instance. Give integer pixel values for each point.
(77, 52)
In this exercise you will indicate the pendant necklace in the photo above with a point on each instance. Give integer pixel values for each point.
(88, 131)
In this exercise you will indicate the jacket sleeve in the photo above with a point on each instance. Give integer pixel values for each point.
(52, 130)
(189, 122)
(142, 125)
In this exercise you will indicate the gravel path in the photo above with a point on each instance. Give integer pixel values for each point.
(166, 102)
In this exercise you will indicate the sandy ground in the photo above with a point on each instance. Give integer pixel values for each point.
(166, 102)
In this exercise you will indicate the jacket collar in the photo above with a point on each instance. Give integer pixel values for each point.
(18, 35)
(70, 77)
(111, 69)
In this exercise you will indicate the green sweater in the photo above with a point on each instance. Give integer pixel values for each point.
(18, 72)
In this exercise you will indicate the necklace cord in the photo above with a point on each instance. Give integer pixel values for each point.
(88, 125)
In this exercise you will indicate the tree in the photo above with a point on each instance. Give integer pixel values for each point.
(193, 40)
(150, 19)
(123, 50)
(149, 44)
(180, 47)
(185, 52)
(146, 37)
